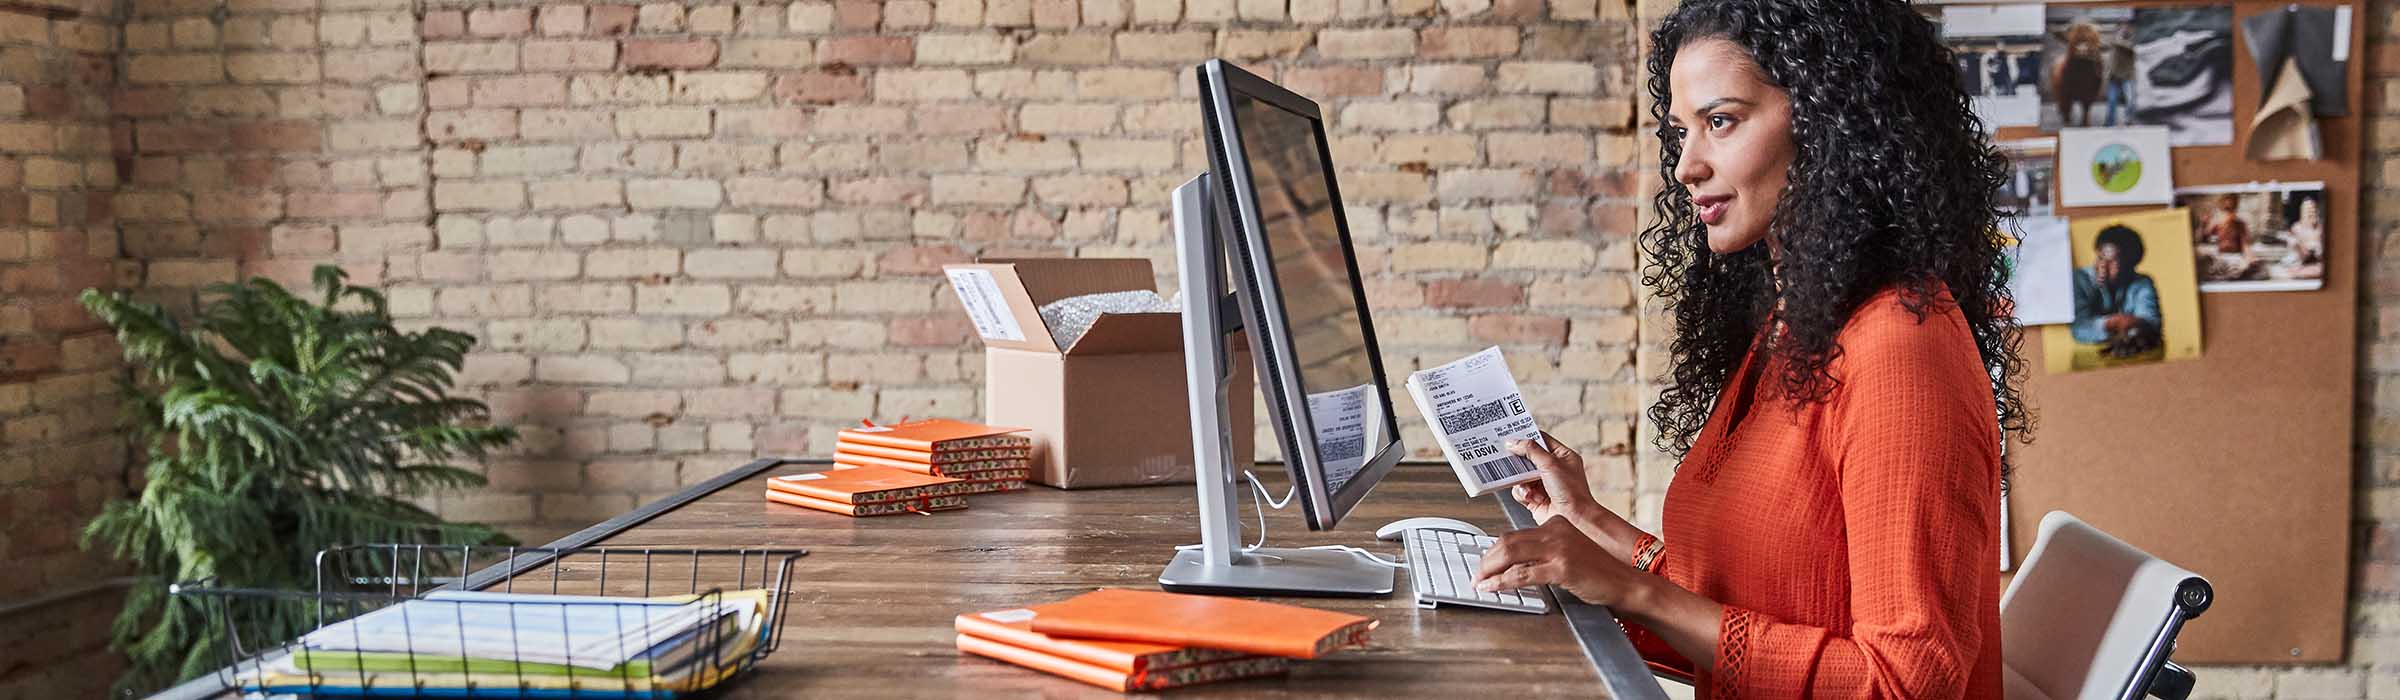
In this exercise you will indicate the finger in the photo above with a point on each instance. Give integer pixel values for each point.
(1513, 578)
(1540, 458)
(1509, 550)
(1560, 449)
(1531, 493)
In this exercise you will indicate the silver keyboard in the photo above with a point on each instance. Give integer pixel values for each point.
(1441, 569)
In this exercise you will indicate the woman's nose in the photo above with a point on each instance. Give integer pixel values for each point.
(1692, 168)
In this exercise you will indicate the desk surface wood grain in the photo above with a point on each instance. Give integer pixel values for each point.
(874, 598)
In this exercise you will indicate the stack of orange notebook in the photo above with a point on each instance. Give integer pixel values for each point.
(1127, 640)
(868, 491)
(988, 458)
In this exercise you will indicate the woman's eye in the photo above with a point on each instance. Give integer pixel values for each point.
(1719, 121)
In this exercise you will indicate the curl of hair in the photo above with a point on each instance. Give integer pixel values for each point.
(1894, 182)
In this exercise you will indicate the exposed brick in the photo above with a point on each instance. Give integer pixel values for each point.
(867, 50)
(1515, 328)
(1356, 44)
(942, 330)
(612, 20)
(664, 54)
(1336, 81)
(683, 300)
(1454, 42)
(500, 22)
(281, 135)
(820, 86)
(1473, 293)
(963, 49)
(1065, 49)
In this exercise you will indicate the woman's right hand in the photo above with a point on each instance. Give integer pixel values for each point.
(1565, 492)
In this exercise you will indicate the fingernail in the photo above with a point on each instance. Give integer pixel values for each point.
(1486, 586)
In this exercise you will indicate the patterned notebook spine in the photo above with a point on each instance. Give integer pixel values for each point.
(994, 442)
(928, 504)
(948, 455)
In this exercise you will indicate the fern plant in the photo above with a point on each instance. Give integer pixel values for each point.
(274, 428)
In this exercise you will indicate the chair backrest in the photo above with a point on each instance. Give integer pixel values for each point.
(2090, 617)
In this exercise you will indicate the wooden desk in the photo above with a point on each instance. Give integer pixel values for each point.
(876, 595)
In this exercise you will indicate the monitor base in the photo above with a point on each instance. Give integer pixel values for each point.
(1280, 572)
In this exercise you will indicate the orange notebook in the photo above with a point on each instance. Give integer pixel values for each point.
(1122, 681)
(973, 478)
(936, 435)
(925, 457)
(916, 505)
(1211, 622)
(950, 469)
(1015, 628)
(867, 485)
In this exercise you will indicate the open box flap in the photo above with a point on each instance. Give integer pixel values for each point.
(1119, 334)
(1015, 301)
(1023, 285)
(1050, 279)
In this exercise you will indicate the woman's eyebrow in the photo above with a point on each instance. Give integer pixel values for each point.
(1711, 106)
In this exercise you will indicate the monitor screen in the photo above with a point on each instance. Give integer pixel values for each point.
(1308, 256)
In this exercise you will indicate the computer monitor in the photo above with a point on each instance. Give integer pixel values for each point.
(1270, 207)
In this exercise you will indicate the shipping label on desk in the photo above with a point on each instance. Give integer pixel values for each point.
(981, 295)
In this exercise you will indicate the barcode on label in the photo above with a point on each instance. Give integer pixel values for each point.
(1502, 468)
(1459, 421)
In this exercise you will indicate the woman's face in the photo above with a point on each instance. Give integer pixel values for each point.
(2309, 216)
(1737, 141)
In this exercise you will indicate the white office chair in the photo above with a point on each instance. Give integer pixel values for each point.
(2091, 618)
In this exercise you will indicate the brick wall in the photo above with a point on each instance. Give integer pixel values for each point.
(58, 458)
(690, 233)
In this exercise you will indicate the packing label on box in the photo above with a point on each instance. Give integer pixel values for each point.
(980, 294)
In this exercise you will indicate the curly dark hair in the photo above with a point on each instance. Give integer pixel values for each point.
(1894, 182)
(2128, 243)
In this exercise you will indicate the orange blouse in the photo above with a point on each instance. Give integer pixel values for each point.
(1853, 542)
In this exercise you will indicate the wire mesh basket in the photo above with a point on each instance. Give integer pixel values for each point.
(434, 621)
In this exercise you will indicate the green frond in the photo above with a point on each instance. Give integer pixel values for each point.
(275, 426)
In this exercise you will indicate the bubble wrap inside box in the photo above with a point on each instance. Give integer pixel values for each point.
(1071, 317)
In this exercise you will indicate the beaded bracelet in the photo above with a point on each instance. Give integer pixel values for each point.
(1646, 551)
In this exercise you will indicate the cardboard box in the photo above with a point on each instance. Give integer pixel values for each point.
(1110, 410)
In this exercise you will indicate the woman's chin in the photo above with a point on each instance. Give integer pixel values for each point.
(1724, 240)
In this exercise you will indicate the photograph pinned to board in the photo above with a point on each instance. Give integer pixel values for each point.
(2087, 67)
(2258, 237)
(1998, 50)
(2153, 66)
(2302, 55)
(2137, 300)
(2041, 270)
(2032, 177)
(2183, 72)
(2113, 167)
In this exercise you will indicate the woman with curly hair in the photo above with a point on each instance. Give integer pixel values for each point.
(1842, 373)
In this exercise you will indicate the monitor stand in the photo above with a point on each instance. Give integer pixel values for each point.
(1219, 566)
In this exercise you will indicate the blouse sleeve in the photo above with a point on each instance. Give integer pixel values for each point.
(1913, 434)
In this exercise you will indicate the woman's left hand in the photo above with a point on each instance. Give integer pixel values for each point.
(1555, 553)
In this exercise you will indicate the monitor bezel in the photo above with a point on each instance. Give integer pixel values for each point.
(1255, 284)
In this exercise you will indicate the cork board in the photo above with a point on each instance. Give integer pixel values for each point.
(2237, 464)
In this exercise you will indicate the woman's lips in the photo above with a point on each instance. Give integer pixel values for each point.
(1712, 209)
